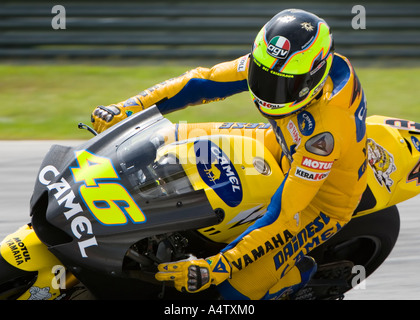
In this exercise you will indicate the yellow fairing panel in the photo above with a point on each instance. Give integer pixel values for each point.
(25, 251)
(238, 174)
(393, 151)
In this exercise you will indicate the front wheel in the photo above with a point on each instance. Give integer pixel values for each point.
(14, 282)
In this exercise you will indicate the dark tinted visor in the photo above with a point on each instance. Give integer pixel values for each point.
(278, 88)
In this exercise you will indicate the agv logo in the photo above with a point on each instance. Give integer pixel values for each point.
(278, 47)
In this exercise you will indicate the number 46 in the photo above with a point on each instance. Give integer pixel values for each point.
(110, 203)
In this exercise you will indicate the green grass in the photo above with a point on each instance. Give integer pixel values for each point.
(47, 101)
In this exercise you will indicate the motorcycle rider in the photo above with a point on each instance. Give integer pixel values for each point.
(316, 106)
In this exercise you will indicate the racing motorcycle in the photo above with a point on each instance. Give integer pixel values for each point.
(104, 214)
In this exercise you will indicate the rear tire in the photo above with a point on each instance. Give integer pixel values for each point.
(366, 240)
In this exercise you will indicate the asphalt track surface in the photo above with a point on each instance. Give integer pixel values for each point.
(397, 279)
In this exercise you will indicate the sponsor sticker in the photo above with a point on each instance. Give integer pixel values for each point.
(242, 63)
(322, 144)
(310, 175)
(306, 123)
(19, 250)
(316, 164)
(403, 124)
(382, 163)
(279, 47)
(38, 293)
(218, 172)
(307, 26)
(294, 132)
(415, 142)
(268, 105)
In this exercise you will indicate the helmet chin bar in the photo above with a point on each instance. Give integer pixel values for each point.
(259, 102)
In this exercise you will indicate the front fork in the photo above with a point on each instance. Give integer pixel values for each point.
(23, 250)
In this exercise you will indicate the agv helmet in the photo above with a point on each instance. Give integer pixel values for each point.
(290, 61)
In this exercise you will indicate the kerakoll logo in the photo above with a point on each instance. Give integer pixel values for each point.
(279, 47)
(310, 175)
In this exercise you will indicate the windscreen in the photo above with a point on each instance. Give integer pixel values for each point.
(149, 175)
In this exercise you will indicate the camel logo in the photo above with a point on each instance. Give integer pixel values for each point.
(213, 173)
(306, 123)
(218, 172)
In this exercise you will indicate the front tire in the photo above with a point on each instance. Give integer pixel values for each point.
(13, 281)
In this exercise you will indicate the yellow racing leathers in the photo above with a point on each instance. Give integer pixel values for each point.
(323, 158)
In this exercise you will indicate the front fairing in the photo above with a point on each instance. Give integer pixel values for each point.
(92, 202)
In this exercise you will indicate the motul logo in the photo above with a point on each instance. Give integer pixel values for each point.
(315, 164)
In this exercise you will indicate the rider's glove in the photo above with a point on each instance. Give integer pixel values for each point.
(194, 275)
(104, 117)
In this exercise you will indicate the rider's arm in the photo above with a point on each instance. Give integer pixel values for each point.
(197, 86)
(294, 194)
(278, 225)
